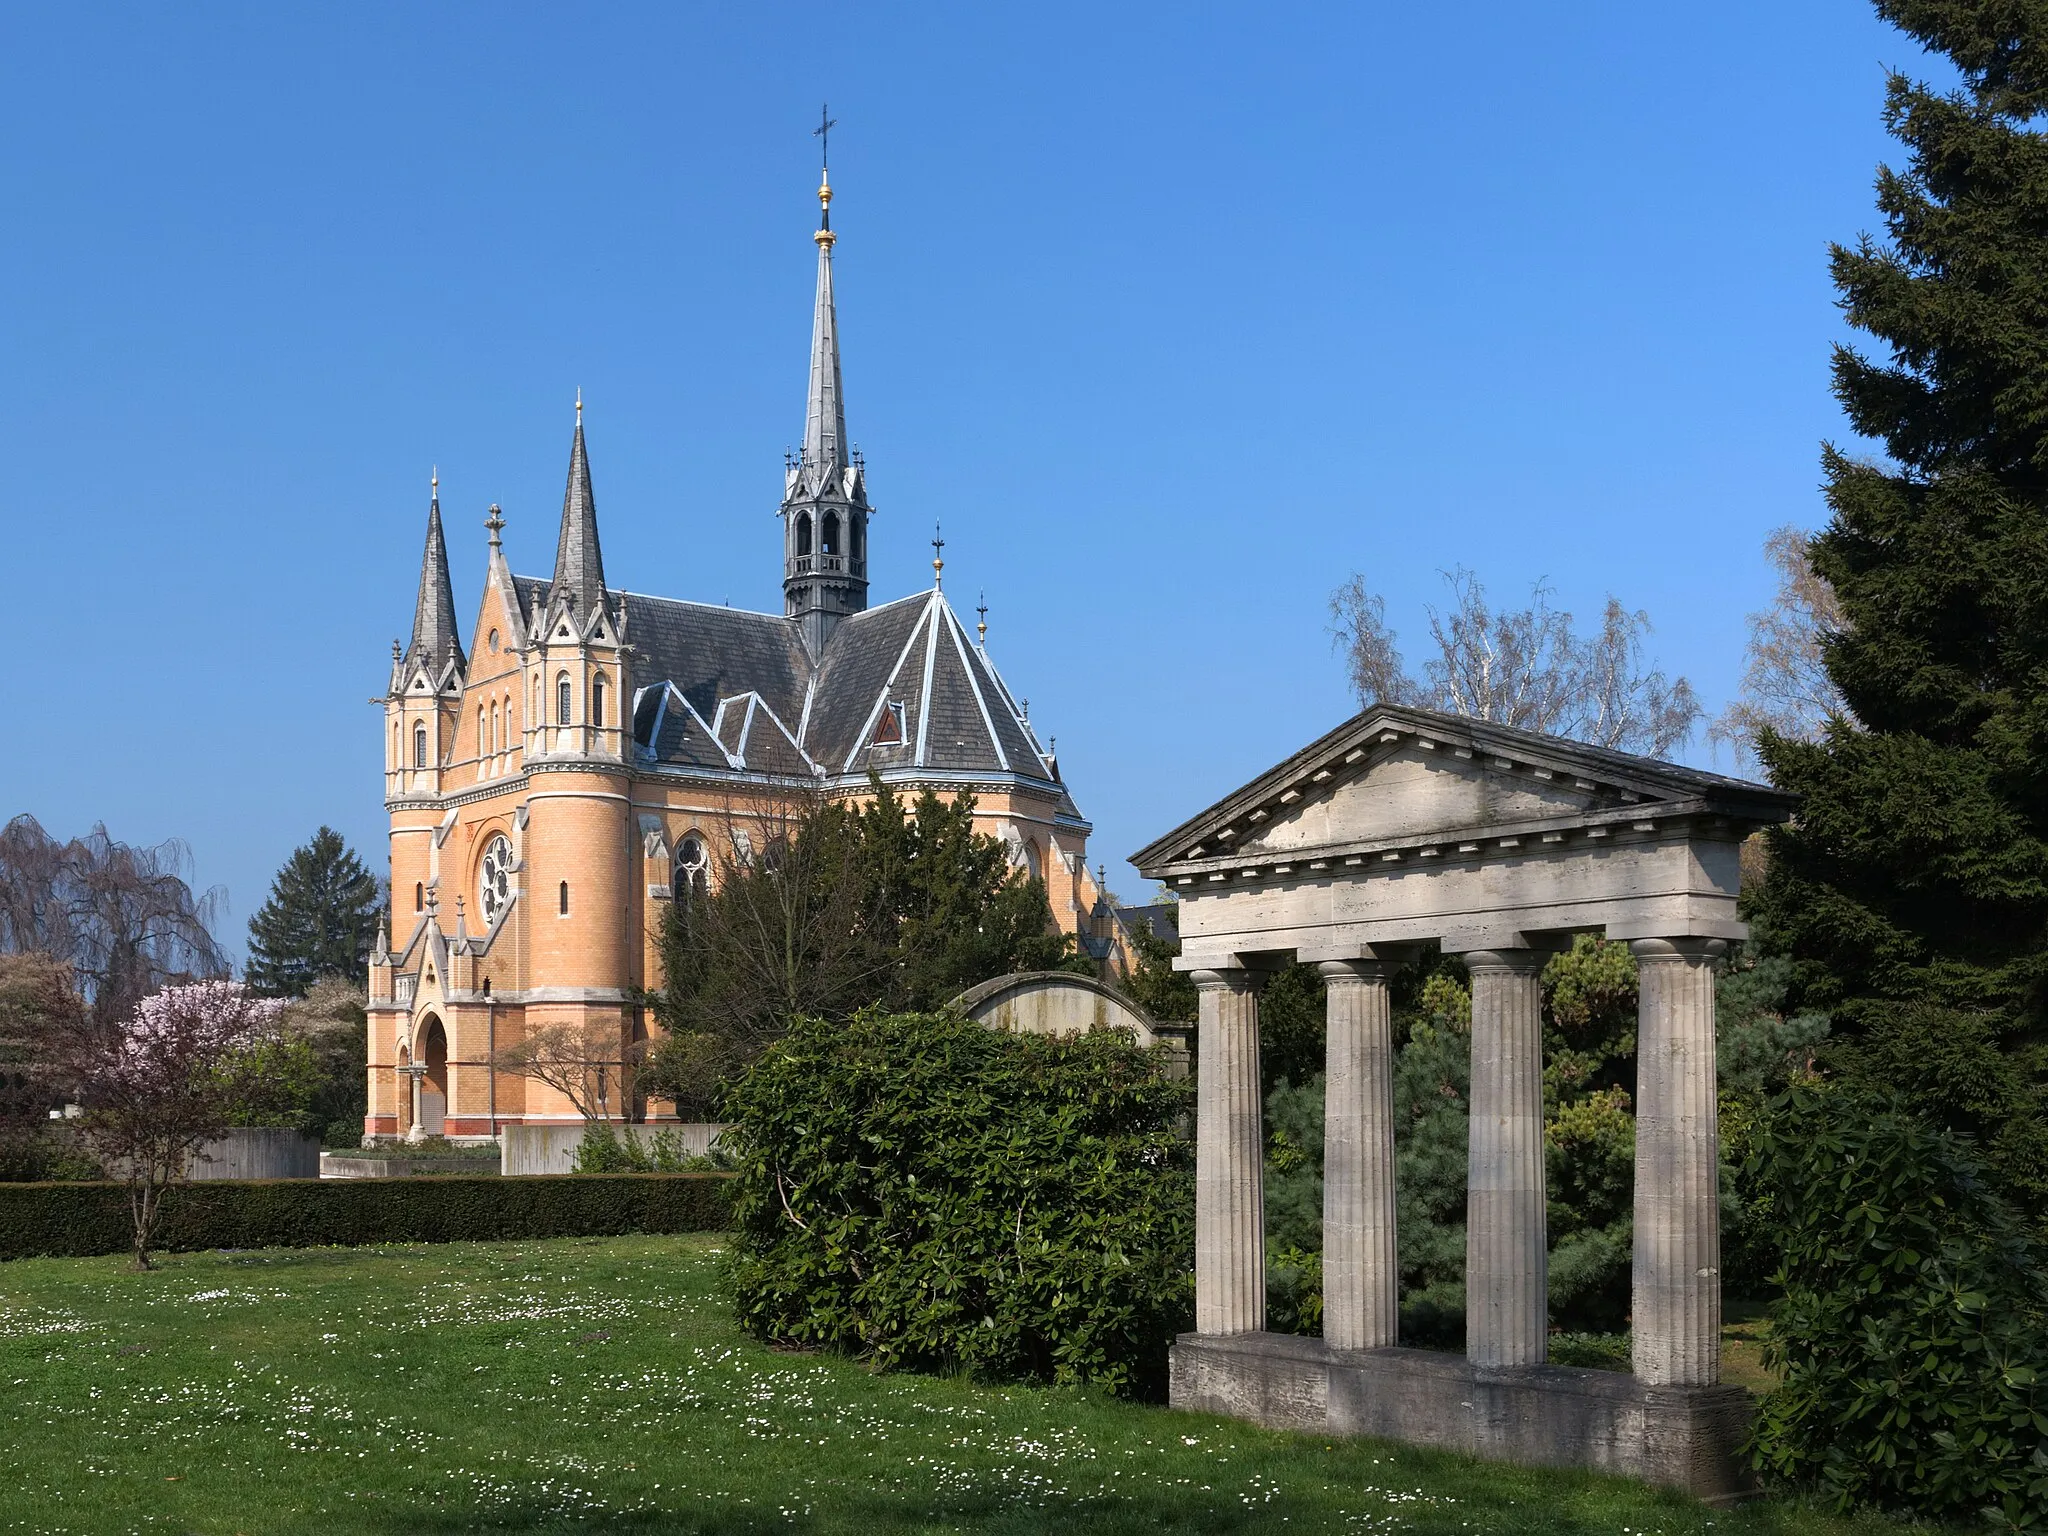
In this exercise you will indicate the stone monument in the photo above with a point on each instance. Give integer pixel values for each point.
(1401, 827)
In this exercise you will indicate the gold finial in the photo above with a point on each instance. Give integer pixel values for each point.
(579, 405)
(434, 482)
(938, 558)
(982, 627)
(823, 134)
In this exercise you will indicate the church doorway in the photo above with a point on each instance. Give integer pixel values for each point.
(434, 1083)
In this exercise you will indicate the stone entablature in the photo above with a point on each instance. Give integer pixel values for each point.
(1404, 827)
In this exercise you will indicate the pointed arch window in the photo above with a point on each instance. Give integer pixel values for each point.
(419, 745)
(693, 865)
(565, 899)
(562, 699)
(803, 533)
(597, 700)
(419, 896)
(828, 541)
(857, 538)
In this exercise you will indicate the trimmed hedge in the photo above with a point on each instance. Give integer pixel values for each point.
(928, 1193)
(80, 1220)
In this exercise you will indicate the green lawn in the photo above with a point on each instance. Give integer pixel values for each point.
(597, 1384)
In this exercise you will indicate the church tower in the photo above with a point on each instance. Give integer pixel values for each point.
(824, 494)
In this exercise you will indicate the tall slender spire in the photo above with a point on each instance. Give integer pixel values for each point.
(824, 493)
(825, 415)
(579, 563)
(434, 640)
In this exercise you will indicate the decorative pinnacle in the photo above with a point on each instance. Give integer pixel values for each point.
(496, 523)
(982, 627)
(434, 482)
(938, 559)
(397, 652)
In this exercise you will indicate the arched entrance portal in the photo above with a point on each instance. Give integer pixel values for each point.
(434, 1082)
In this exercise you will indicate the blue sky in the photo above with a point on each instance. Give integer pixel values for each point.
(1175, 315)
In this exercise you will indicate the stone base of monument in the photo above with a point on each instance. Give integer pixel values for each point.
(1544, 1415)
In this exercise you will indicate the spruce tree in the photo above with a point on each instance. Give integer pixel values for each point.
(1913, 888)
(320, 920)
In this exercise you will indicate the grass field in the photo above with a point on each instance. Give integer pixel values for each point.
(596, 1384)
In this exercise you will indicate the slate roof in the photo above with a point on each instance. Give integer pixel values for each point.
(723, 689)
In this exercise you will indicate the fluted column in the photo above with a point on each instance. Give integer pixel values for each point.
(1677, 1269)
(1230, 1198)
(1361, 1266)
(1506, 1258)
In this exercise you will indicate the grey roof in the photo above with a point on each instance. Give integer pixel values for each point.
(434, 640)
(579, 562)
(728, 690)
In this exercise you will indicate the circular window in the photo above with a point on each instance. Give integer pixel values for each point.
(494, 642)
(691, 863)
(494, 883)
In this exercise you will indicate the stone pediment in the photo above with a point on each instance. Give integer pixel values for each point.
(1394, 779)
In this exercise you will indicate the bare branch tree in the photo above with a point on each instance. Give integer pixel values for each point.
(585, 1063)
(1527, 667)
(1785, 682)
(122, 917)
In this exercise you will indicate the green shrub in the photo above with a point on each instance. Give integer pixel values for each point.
(76, 1220)
(927, 1193)
(604, 1150)
(1910, 1330)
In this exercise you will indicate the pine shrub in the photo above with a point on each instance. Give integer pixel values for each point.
(930, 1194)
(1910, 1329)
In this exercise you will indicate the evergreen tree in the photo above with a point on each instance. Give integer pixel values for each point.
(841, 908)
(1913, 888)
(320, 920)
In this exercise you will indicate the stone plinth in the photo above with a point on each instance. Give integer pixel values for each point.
(1543, 1415)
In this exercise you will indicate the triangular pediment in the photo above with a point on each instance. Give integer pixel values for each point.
(1395, 776)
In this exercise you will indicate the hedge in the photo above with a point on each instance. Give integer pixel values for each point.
(79, 1220)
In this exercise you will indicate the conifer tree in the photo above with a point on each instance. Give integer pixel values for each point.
(1913, 887)
(320, 920)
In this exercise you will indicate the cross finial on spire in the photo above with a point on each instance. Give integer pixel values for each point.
(823, 134)
(496, 523)
(938, 558)
(982, 627)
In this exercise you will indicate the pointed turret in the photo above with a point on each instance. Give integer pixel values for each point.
(824, 492)
(434, 641)
(579, 563)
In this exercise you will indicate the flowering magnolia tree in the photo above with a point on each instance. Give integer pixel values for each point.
(153, 1088)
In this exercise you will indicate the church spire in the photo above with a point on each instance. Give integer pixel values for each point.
(825, 413)
(579, 563)
(434, 641)
(824, 492)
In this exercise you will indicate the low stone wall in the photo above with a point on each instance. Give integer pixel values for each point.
(258, 1152)
(534, 1149)
(340, 1165)
(1541, 1415)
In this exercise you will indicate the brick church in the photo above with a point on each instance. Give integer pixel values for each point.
(586, 750)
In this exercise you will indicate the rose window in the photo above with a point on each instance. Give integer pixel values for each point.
(494, 885)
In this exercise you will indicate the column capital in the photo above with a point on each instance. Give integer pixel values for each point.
(1224, 979)
(1691, 951)
(1337, 973)
(1509, 962)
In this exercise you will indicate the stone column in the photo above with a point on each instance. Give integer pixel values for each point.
(1677, 1268)
(1506, 1255)
(1361, 1268)
(1230, 1196)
